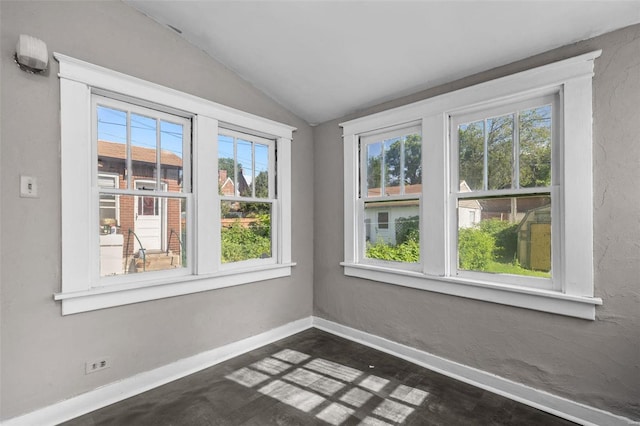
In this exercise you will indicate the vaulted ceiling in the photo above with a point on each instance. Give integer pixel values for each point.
(325, 59)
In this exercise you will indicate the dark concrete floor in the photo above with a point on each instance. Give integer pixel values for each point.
(315, 378)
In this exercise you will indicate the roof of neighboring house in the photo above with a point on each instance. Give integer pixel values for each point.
(138, 153)
(417, 189)
(227, 187)
(395, 190)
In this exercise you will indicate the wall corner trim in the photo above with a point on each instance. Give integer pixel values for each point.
(542, 400)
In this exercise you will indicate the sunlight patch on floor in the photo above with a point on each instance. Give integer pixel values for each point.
(292, 395)
(247, 377)
(335, 414)
(295, 379)
(314, 381)
(333, 369)
(271, 366)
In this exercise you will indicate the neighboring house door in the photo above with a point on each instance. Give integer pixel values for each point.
(149, 220)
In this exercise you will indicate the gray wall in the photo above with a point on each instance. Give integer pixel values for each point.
(43, 353)
(597, 363)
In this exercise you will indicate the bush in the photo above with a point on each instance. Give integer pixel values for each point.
(505, 236)
(407, 228)
(241, 243)
(409, 251)
(475, 249)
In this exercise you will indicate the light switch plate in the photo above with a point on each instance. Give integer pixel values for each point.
(28, 187)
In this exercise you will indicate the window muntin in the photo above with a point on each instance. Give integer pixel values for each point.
(503, 160)
(148, 152)
(246, 187)
(391, 184)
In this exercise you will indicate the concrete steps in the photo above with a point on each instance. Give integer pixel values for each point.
(158, 262)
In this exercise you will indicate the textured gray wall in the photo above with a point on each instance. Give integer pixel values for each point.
(597, 363)
(43, 353)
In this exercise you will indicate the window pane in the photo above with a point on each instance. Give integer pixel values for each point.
(262, 171)
(500, 152)
(226, 166)
(471, 155)
(108, 203)
(245, 168)
(171, 155)
(112, 142)
(413, 164)
(392, 230)
(374, 169)
(143, 148)
(148, 235)
(535, 147)
(510, 235)
(392, 149)
(246, 231)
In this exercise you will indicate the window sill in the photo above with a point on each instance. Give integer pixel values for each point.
(117, 295)
(523, 297)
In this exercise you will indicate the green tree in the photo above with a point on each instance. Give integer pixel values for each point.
(262, 185)
(374, 172)
(500, 151)
(412, 146)
(534, 129)
(535, 147)
(471, 154)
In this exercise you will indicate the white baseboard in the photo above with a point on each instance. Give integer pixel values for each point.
(556, 405)
(118, 391)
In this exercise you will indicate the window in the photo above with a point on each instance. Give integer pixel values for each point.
(494, 185)
(246, 186)
(501, 159)
(164, 193)
(389, 202)
(146, 154)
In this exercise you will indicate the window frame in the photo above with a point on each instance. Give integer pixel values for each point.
(80, 291)
(550, 96)
(572, 293)
(364, 140)
(128, 106)
(272, 198)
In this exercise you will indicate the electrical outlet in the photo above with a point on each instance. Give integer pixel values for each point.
(97, 365)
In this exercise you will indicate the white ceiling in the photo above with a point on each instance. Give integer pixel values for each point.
(325, 59)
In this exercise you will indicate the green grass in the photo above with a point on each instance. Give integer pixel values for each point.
(510, 268)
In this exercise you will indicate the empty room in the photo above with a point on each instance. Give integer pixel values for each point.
(319, 213)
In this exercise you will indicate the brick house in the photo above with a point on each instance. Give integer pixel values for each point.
(156, 222)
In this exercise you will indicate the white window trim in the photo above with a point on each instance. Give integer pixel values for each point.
(552, 98)
(80, 292)
(572, 78)
(364, 141)
(275, 255)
